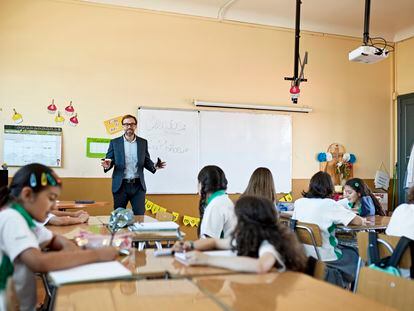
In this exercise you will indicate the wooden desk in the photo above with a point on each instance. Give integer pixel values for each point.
(281, 291)
(145, 264)
(71, 231)
(376, 223)
(63, 205)
(159, 295)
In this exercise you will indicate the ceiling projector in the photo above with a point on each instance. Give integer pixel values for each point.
(368, 54)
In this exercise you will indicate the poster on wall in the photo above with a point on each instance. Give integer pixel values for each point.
(28, 144)
(113, 125)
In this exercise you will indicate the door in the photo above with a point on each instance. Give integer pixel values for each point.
(405, 140)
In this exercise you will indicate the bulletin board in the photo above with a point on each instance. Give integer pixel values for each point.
(32, 144)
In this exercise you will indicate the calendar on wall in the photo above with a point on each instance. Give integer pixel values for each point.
(32, 144)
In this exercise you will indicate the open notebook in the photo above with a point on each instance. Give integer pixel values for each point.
(181, 257)
(90, 272)
(154, 226)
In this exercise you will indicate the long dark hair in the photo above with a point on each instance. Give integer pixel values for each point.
(257, 221)
(36, 176)
(211, 179)
(320, 186)
(363, 190)
(261, 184)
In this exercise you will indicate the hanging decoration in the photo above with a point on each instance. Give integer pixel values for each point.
(17, 117)
(69, 110)
(59, 119)
(186, 220)
(52, 107)
(74, 120)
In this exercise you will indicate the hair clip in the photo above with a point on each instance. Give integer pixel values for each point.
(51, 179)
(356, 184)
(43, 179)
(32, 180)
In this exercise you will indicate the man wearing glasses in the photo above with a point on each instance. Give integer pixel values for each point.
(128, 155)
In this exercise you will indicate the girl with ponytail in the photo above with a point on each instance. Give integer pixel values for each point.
(32, 194)
(215, 207)
(259, 241)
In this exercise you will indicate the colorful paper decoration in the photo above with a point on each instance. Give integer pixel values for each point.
(52, 107)
(17, 117)
(60, 120)
(286, 198)
(69, 110)
(74, 120)
(113, 125)
(187, 220)
(175, 215)
(192, 221)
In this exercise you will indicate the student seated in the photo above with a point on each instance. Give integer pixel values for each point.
(261, 184)
(402, 219)
(216, 209)
(318, 208)
(359, 198)
(259, 240)
(31, 196)
(64, 218)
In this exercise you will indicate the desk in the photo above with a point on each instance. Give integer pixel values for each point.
(63, 205)
(281, 291)
(376, 223)
(145, 264)
(160, 295)
(71, 231)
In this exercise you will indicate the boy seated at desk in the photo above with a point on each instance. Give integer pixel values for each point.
(260, 241)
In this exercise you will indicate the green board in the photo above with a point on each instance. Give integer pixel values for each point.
(96, 147)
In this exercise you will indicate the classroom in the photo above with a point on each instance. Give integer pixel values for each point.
(110, 58)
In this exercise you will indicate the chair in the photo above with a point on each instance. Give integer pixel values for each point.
(308, 234)
(316, 268)
(386, 245)
(396, 292)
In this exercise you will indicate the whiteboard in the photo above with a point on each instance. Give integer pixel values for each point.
(172, 135)
(28, 144)
(235, 141)
(241, 142)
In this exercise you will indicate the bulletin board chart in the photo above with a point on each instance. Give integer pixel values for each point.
(32, 144)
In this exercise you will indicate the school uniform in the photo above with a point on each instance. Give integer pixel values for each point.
(16, 237)
(365, 206)
(219, 219)
(402, 221)
(327, 213)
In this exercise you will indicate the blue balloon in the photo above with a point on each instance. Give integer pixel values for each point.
(352, 158)
(322, 157)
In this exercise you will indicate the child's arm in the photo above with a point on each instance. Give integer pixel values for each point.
(358, 221)
(68, 220)
(70, 214)
(202, 245)
(38, 261)
(239, 263)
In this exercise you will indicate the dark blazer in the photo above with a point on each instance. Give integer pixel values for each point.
(116, 153)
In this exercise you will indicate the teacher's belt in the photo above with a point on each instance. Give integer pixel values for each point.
(131, 180)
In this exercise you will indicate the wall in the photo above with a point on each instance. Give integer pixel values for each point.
(404, 67)
(111, 60)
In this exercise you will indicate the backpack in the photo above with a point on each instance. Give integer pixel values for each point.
(389, 264)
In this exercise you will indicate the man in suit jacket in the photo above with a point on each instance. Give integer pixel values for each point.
(128, 155)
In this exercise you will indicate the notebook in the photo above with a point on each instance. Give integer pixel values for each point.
(154, 226)
(90, 272)
(181, 257)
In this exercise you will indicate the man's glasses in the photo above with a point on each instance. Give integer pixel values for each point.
(129, 124)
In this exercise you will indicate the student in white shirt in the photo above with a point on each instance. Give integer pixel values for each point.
(215, 207)
(359, 198)
(32, 194)
(402, 219)
(317, 207)
(259, 240)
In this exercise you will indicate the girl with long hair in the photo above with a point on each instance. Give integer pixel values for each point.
(215, 207)
(32, 194)
(261, 184)
(259, 241)
(360, 199)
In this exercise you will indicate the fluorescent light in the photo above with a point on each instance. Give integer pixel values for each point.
(200, 103)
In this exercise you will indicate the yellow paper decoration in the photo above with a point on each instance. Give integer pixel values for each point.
(175, 215)
(286, 198)
(148, 205)
(192, 221)
(113, 125)
(162, 209)
(155, 208)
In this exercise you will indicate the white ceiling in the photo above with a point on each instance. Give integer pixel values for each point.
(391, 19)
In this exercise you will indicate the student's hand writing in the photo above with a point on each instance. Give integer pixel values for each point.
(196, 258)
(181, 246)
(106, 253)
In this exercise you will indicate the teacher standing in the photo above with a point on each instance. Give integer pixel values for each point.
(128, 155)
